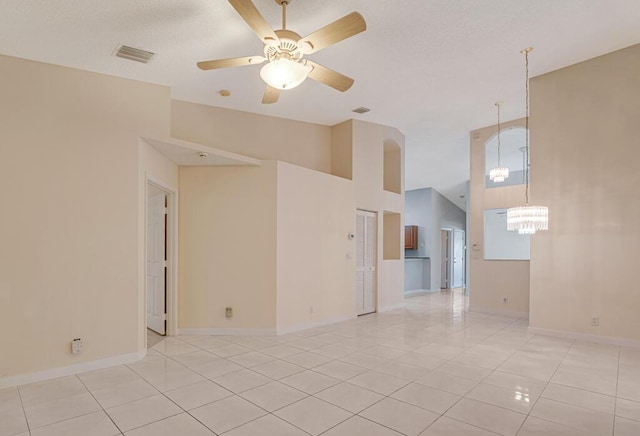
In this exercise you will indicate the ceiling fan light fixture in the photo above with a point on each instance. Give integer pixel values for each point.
(284, 73)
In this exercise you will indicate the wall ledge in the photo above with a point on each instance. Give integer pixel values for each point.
(499, 312)
(585, 337)
(225, 332)
(77, 368)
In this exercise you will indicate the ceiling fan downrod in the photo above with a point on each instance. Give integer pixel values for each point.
(284, 4)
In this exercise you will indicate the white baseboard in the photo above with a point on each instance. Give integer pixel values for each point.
(226, 332)
(307, 326)
(415, 292)
(77, 368)
(585, 337)
(392, 307)
(500, 312)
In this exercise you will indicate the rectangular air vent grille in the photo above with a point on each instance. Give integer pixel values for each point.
(134, 54)
(361, 110)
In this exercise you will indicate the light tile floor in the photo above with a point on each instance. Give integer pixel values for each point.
(431, 369)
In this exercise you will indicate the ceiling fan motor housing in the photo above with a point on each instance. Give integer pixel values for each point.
(286, 46)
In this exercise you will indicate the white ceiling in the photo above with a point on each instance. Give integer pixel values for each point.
(432, 68)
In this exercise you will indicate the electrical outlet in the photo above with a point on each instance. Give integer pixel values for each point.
(595, 321)
(76, 346)
(505, 300)
(228, 312)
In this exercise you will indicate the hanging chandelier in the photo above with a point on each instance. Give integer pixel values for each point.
(500, 173)
(527, 219)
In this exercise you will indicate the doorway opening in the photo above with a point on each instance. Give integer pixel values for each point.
(160, 260)
(452, 258)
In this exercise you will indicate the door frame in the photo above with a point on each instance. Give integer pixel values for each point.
(447, 258)
(377, 271)
(171, 282)
(464, 254)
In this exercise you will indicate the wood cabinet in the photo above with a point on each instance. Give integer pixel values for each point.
(411, 237)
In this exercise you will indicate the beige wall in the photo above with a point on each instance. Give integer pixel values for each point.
(392, 177)
(316, 259)
(269, 241)
(227, 240)
(74, 170)
(489, 281)
(368, 143)
(342, 150)
(391, 233)
(260, 136)
(155, 167)
(69, 258)
(585, 159)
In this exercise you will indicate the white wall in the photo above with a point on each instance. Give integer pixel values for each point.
(154, 166)
(585, 166)
(227, 245)
(490, 281)
(367, 143)
(316, 259)
(259, 136)
(74, 172)
(70, 252)
(500, 243)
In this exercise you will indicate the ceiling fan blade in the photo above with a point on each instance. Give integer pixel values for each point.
(254, 19)
(337, 31)
(330, 77)
(270, 95)
(231, 62)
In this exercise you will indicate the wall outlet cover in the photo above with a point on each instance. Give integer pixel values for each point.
(76, 346)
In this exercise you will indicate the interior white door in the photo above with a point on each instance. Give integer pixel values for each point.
(365, 262)
(458, 258)
(156, 259)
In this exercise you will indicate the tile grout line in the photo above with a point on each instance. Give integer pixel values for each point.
(546, 385)
(377, 333)
(615, 404)
(24, 411)
(101, 408)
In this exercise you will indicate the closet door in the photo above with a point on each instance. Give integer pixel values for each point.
(366, 243)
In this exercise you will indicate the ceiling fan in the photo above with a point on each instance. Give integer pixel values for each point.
(284, 50)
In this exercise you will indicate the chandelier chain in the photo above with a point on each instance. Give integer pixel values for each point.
(526, 64)
(498, 105)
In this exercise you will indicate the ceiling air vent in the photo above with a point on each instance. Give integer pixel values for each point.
(134, 54)
(361, 110)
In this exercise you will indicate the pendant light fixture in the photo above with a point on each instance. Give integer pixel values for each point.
(500, 173)
(527, 219)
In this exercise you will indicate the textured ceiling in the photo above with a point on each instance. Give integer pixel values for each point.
(432, 68)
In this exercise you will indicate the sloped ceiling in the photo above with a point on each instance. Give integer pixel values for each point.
(432, 68)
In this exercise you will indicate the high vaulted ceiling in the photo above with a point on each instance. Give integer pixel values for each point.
(432, 68)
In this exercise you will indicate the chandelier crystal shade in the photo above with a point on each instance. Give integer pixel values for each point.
(500, 173)
(527, 220)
